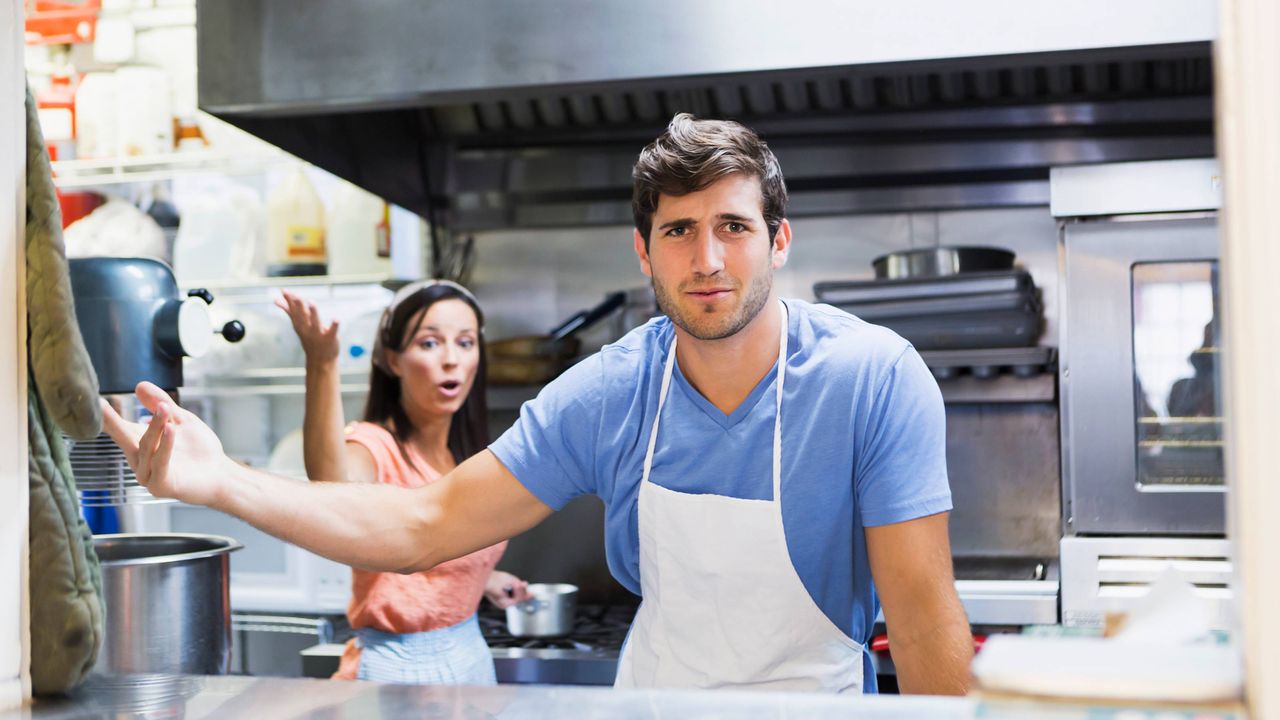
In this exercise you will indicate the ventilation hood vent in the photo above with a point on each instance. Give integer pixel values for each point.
(491, 114)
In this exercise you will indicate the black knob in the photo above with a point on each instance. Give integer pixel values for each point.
(233, 331)
(203, 294)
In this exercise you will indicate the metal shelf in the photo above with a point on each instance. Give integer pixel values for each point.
(152, 168)
(268, 283)
(275, 373)
(1000, 389)
(198, 391)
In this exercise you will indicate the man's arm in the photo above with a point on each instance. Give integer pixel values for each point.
(376, 527)
(929, 635)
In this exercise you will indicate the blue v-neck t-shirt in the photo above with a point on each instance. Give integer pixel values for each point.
(863, 444)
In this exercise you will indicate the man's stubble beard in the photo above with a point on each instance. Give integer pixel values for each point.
(731, 324)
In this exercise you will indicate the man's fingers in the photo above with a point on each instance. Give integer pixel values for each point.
(164, 451)
(153, 398)
(148, 444)
(124, 433)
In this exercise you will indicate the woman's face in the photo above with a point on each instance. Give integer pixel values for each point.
(438, 364)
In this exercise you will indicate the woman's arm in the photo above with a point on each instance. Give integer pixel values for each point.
(322, 438)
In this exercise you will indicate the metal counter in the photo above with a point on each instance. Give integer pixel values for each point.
(228, 697)
(193, 697)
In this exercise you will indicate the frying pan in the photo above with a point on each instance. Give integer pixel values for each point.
(533, 359)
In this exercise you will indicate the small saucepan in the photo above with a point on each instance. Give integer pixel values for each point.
(547, 613)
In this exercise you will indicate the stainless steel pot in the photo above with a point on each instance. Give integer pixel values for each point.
(168, 603)
(549, 613)
(939, 261)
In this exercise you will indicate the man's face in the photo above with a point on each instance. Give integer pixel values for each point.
(710, 257)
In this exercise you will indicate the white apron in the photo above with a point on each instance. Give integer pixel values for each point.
(723, 605)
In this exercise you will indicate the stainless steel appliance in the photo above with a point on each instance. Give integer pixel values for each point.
(536, 120)
(136, 326)
(168, 607)
(1142, 431)
(1140, 376)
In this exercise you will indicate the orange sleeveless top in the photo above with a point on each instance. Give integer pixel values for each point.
(443, 596)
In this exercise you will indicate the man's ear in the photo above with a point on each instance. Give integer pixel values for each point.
(781, 245)
(642, 254)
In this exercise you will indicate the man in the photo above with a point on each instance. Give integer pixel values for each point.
(761, 461)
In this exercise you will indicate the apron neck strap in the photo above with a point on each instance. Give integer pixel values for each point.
(669, 366)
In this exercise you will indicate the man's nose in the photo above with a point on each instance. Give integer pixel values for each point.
(708, 253)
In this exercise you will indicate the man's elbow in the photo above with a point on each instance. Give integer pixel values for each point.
(418, 549)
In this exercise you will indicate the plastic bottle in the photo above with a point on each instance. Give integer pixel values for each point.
(295, 228)
(357, 233)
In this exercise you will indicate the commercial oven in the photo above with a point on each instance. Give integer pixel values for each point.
(1142, 425)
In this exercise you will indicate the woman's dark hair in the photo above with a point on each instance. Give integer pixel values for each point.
(469, 427)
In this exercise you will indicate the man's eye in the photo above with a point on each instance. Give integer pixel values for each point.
(677, 231)
(736, 227)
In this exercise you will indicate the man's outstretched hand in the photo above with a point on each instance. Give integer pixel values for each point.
(175, 455)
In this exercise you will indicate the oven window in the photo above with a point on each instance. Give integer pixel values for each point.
(1176, 374)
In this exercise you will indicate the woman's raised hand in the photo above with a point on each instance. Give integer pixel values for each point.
(319, 342)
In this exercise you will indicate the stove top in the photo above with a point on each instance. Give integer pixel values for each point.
(586, 656)
(595, 627)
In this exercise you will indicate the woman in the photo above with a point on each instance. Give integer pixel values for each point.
(425, 414)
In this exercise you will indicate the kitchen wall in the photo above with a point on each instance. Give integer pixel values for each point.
(14, 638)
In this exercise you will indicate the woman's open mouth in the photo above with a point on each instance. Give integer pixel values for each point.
(451, 388)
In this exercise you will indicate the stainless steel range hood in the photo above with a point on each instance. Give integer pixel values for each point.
(489, 113)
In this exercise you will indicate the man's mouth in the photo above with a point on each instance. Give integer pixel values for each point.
(709, 293)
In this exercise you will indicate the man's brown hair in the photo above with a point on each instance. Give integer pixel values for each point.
(692, 154)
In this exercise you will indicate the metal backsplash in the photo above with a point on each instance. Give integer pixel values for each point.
(999, 456)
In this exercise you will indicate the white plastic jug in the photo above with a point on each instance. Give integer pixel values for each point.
(295, 228)
(144, 117)
(358, 233)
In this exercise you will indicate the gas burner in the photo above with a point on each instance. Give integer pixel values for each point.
(595, 627)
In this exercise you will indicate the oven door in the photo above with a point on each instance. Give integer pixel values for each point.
(1142, 420)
